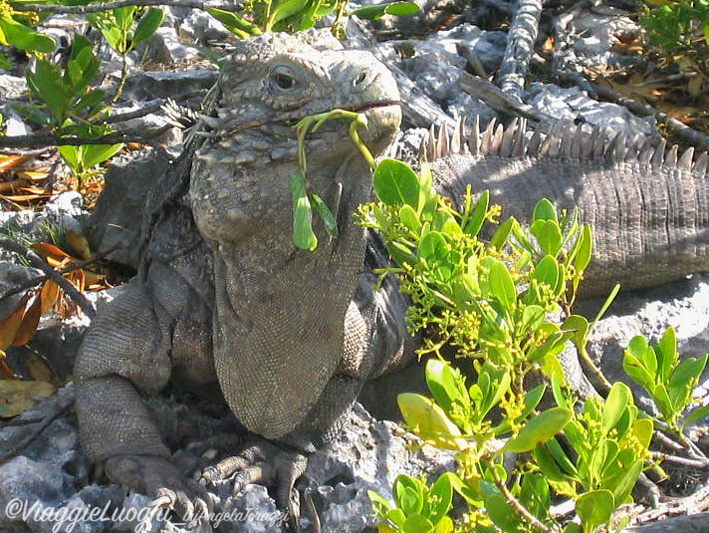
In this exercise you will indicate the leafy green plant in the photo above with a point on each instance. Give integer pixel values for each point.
(263, 16)
(16, 30)
(495, 304)
(418, 508)
(69, 104)
(124, 28)
(669, 382)
(677, 25)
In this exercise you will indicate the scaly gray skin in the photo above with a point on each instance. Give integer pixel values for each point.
(225, 297)
(648, 207)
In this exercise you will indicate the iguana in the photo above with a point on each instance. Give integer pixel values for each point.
(225, 299)
(289, 335)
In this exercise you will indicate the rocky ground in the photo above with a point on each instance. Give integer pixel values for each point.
(40, 459)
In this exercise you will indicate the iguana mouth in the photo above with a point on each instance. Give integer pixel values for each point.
(367, 107)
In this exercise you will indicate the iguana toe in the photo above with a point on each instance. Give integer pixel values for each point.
(158, 478)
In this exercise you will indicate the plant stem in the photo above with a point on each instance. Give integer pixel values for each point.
(517, 506)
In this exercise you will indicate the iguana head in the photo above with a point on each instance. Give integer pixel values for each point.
(266, 86)
(279, 315)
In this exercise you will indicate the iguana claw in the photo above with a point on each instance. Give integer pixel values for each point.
(265, 464)
(157, 477)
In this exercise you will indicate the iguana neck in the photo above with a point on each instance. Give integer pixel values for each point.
(265, 287)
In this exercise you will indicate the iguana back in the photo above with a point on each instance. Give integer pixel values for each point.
(649, 208)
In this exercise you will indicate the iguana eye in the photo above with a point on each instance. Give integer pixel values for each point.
(283, 79)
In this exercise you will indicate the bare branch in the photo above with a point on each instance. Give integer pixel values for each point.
(36, 261)
(41, 140)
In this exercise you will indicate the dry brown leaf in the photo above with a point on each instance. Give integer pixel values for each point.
(11, 323)
(49, 251)
(21, 198)
(29, 324)
(49, 295)
(33, 175)
(31, 189)
(5, 372)
(40, 371)
(11, 161)
(18, 396)
(79, 244)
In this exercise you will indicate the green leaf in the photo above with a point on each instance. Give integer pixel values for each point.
(561, 458)
(548, 236)
(696, 414)
(583, 248)
(98, 153)
(663, 402)
(643, 430)
(540, 429)
(502, 286)
(616, 403)
(547, 271)
(667, 357)
(444, 525)
(148, 25)
(378, 11)
(687, 372)
(303, 235)
(502, 513)
(595, 508)
(401, 253)
(234, 23)
(430, 421)
(534, 495)
(441, 497)
(329, 220)
(5, 63)
(46, 83)
(544, 210)
(464, 490)
(396, 183)
(380, 505)
(416, 523)
(623, 488)
(445, 383)
(548, 465)
(503, 232)
(410, 501)
(410, 219)
(532, 317)
(24, 37)
(475, 223)
(434, 248)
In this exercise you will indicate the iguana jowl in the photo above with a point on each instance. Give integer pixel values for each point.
(226, 296)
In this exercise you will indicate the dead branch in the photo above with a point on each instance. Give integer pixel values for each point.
(36, 261)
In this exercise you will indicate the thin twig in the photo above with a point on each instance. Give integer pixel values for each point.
(151, 107)
(36, 432)
(78, 265)
(35, 260)
(684, 461)
(51, 139)
(514, 502)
